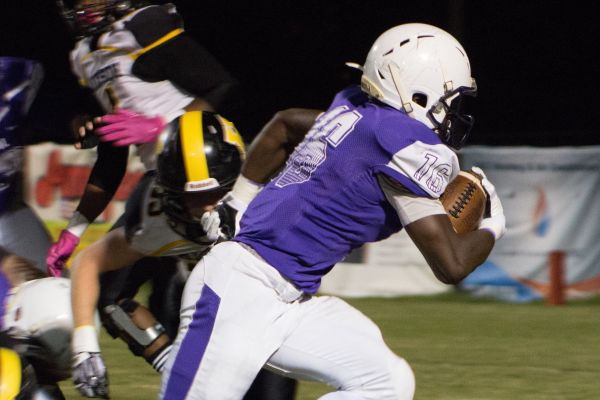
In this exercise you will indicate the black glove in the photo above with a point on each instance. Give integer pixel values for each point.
(230, 213)
(83, 127)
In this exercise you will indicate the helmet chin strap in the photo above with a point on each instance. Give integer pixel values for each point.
(404, 97)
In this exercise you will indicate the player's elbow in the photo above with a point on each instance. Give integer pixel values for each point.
(450, 273)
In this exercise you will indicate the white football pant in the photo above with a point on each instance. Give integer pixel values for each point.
(238, 314)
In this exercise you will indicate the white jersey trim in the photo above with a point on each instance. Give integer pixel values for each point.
(430, 166)
(409, 206)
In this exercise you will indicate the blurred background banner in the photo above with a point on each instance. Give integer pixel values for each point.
(390, 268)
(56, 176)
(552, 203)
(550, 196)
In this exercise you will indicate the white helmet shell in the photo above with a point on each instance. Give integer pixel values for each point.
(416, 61)
(41, 309)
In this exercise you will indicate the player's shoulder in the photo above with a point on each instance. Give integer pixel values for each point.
(151, 23)
(395, 129)
(417, 157)
(351, 94)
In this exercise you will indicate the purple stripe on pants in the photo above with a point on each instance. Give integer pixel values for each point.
(4, 289)
(193, 345)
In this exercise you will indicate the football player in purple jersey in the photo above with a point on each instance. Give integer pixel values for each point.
(375, 162)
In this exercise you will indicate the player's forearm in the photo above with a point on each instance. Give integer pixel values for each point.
(471, 250)
(266, 154)
(450, 256)
(278, 138)
(93, 201)
(85, 288)
(108, 254)
(106, 175)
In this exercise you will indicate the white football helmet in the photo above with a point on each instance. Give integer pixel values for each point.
(41, 309)
(424, 71)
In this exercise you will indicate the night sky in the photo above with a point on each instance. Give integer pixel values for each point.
(534, 61)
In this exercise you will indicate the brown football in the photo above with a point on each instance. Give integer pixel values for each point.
(464, 201)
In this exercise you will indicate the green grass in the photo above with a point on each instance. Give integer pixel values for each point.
(460, 348)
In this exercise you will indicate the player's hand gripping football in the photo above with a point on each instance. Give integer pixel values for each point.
(126, 127)
(59, 252)
(494, 220)
(89, 375)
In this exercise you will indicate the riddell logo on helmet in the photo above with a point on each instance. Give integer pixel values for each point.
(201, 185)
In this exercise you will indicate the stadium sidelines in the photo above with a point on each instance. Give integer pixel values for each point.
(459, 347)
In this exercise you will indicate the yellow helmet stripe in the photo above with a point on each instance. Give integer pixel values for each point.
(192, 146)
(232, 136)
(10, 374)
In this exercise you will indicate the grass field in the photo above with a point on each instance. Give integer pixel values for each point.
(460, 348)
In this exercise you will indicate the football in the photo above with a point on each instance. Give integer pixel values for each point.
(464, 201)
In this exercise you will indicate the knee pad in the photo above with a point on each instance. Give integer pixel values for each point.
(135, 325)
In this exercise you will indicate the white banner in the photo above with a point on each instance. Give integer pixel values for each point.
(56, 177)
(393, 267)
(552, 203)
(549, 196)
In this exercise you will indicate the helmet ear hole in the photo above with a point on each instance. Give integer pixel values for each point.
(420, 99)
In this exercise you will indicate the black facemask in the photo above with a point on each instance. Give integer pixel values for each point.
(454, 129)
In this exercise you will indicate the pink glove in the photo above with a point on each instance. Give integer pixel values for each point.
(60, 252)
(126, 127)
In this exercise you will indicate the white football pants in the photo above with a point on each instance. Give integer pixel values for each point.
(238, 314)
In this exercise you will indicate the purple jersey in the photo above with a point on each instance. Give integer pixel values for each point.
(327, 200)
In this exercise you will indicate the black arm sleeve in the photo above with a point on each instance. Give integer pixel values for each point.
(190, 67)
(180, 60)
(110, 167)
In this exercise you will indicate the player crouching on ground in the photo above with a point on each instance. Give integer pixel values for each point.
(175, 215)
(36, 329)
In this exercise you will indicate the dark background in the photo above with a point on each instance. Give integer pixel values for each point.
(535, 61)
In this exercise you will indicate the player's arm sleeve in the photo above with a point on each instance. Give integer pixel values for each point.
(106, 176)
(409, 206)
(171, 54)
(190, 67)
(424, 169)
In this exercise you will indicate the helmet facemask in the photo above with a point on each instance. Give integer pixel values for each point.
(90, 17)
(456, 124)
